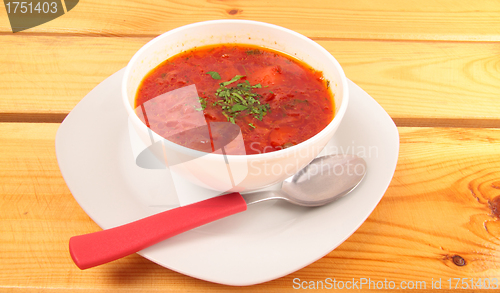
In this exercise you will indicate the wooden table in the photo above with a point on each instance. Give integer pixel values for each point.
(434, 66)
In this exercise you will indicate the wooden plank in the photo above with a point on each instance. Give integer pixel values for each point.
(420, 80)
(438, 220)
(417, 83)
(441, 208)
(461, 20)
(51, 74)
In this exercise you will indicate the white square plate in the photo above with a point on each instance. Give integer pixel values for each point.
(268, 241)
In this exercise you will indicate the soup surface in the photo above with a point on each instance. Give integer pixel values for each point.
(275, 100)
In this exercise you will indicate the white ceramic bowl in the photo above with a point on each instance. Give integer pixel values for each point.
(245, 172)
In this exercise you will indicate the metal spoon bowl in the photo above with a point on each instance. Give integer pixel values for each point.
(322, 181)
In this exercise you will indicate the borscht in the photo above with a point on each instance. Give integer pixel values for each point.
(276, 100)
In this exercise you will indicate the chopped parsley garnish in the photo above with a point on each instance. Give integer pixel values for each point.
(253, 52)
(203, 104)
(237, 77)
(214, 75)
(240, 98)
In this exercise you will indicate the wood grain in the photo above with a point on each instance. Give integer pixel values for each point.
(457, 20)
(417, 83)
(52, 74)
(441, 207)
(443, 202)
(429, 63)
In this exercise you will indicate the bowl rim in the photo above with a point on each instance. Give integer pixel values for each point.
(279, 153)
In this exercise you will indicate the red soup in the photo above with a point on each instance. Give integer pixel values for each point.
(276, 100)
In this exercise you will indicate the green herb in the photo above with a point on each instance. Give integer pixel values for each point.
(251, 125)
(203, 104)
(236, 78)
(214, 75)
(240, 98)
(298, 101)
(253, 52)
(238, 107)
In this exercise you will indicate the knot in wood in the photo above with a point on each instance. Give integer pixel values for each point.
(459, 261)
(234, 11)
(495, 206)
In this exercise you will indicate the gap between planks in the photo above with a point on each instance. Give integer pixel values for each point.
(32, 117)
(485, 40)
(400, 122)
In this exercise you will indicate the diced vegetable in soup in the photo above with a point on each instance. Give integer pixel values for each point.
(276, 100)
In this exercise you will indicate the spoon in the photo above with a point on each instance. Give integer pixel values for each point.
(324, 180)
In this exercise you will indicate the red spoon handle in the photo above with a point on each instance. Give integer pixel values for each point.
(97, 248)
